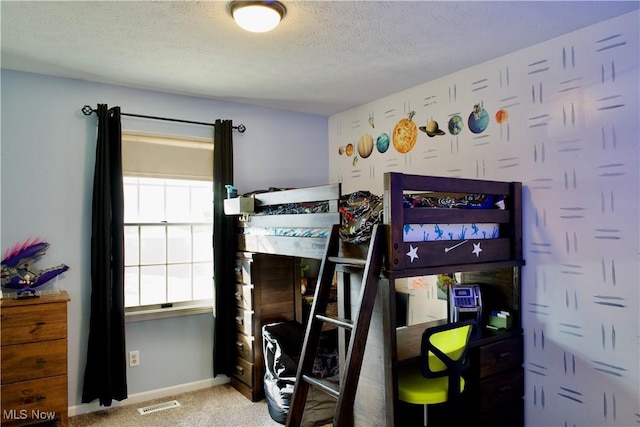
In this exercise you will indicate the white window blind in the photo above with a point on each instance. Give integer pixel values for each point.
(158, 156)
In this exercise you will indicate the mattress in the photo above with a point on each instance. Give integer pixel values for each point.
(433, 232)
(412, 232)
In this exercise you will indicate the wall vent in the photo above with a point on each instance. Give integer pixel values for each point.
(158, 407)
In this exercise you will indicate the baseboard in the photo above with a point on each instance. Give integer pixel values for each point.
(149, 395)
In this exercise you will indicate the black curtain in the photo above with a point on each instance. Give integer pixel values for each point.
(224, 246)
(105, 371)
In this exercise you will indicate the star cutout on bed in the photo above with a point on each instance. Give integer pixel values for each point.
(476, 249)
(413, 253)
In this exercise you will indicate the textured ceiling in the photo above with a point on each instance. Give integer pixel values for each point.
(325, 57)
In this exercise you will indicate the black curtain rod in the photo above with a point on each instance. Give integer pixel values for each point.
(87, 110)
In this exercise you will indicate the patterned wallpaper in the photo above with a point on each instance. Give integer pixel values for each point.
(562, 117)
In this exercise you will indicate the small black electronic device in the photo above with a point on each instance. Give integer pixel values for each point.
(465, 303)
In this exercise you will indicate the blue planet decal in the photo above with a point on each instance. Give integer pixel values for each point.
(478, 119)
(382, 142)
(456, 124)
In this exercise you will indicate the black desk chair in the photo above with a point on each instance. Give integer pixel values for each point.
(437, 378)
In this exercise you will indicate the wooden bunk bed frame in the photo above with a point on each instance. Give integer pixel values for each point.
(390, 346)
(495, 253)
(432, 256)
(302, 247)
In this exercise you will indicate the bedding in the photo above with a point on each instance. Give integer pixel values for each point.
(361, 210)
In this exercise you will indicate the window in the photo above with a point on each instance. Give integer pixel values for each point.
(168, 214)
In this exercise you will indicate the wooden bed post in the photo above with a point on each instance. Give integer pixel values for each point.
(393, 218)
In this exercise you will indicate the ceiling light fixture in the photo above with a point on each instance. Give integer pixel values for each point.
(257, 16)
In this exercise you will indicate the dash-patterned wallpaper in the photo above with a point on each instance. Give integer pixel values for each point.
(562, 117)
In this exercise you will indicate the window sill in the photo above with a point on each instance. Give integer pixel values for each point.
(164, 313)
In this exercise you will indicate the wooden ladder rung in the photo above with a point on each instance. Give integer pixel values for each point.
(337, 321)
(328, 387)
(356, 262)
(358, 326)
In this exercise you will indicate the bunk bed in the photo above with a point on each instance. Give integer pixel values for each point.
(431, 222)
(433, 225)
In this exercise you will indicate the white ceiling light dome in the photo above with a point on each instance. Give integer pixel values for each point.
(257, 16)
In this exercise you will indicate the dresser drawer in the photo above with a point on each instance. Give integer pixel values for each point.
(243, 270)
(244, 296)
(23, 324)
(500, 356)
(244, 371)
(509, 415)
(501, 390)
(244, 347)
(244, 321)
(36, 360)
(20, 401)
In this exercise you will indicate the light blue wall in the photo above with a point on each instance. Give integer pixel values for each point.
(47, 160)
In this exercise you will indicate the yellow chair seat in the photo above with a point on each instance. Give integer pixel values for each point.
(416, 389)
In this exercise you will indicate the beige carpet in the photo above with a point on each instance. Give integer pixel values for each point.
(217, 406)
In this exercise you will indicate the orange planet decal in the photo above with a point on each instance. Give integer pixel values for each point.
(405, 134)
(349, 150)
(501, 116)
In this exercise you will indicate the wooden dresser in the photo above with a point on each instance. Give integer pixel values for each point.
(34, 359)
(496, 381)
(267, 290)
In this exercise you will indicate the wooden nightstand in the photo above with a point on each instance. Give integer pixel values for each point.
(34, 359)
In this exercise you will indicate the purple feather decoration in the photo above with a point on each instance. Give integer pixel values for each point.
(18, 271)
(24, 253)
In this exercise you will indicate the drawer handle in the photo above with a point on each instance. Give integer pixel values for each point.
(239, 345)
(239, 370)
(37, 326)
(504, 390)
(29, 400)
(238, 269)
(503, 355)
(239, 320)
(239, 296)
(41, 361)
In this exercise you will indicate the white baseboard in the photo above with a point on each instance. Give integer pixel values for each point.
(149, 395)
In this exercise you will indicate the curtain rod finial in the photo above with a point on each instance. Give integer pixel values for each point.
(87, 110)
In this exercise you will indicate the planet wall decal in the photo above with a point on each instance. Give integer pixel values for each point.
(478, 119)
(501, 116)
(365, 145)
(348, 149)
(405, 134)
(456, 124)
(432, 129)
(382, 142)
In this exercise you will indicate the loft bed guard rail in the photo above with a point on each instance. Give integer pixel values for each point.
(301, 234)
(462, 252)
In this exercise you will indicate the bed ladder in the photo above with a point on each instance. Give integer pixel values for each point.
(358, 326)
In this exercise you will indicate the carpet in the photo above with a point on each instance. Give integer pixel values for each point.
(221, 406)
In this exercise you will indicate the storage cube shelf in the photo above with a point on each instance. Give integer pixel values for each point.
(239, 205)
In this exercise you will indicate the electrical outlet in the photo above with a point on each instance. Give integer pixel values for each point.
(134, 358)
